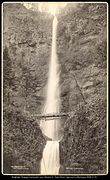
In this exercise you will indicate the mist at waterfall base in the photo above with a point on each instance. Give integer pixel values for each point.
(50, 127)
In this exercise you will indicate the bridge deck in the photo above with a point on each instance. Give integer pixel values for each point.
(50, 116)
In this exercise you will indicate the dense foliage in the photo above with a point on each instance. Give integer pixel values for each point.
(85, 138)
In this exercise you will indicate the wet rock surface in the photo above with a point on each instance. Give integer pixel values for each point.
(82, 55)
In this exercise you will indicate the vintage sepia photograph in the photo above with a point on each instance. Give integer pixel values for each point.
(54, 88)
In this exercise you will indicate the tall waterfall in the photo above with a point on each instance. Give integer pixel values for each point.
(50, 162)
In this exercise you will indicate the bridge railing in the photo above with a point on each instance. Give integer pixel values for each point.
(52, 116)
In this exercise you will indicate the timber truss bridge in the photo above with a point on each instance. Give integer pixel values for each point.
(47, 117)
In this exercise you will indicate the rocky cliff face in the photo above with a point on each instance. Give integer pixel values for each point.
(82, 50)
(82, 55)
(27, 46)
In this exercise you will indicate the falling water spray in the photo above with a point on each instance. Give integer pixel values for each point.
(50, 162)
